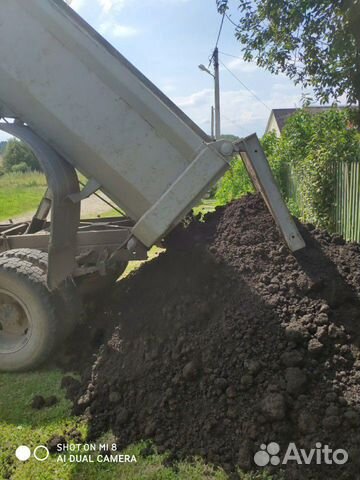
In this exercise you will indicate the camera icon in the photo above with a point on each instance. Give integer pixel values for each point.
(23, 453)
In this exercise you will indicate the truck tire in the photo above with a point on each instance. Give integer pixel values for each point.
(66, 298)
(35, 257)
(28, 324)
(88, 285)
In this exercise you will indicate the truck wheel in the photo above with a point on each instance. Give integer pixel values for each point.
(85, 285)
(28, 325)
(66, 298)
(35, 257)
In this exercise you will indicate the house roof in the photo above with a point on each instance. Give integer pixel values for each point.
(282, 114)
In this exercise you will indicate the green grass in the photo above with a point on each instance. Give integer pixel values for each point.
(20, 193)
(205, 207)
(21, 425)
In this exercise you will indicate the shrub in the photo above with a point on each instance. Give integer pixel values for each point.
(234, 184)
(306, 155)
(310, 148)
(236, 181)
(21, 167)
(16, 153)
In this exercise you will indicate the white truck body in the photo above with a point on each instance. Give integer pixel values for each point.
(85, 100)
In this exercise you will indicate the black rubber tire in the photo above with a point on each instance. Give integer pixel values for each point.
(66, 299)
(89, 285)
(35, 257)
(26, 282)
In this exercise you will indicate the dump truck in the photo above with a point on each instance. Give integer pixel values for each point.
(87, 112)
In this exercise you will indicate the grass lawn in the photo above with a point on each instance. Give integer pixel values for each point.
(20, 193)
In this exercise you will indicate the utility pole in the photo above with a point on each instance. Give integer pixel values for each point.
(215, 115)
(217, 94)
(212, 123)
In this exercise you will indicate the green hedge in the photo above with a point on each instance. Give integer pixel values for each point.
(309, 148)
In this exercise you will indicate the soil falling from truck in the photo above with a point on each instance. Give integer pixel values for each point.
(228, 341)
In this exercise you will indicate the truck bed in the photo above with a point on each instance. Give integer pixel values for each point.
(102, 115)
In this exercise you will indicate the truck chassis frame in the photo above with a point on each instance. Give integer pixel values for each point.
(74, 247)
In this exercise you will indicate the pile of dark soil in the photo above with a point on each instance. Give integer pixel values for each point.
(229, 341)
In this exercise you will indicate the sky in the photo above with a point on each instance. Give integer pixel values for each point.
(168, 39)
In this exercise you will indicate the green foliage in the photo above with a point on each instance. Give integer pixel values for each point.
(310, 148)
(229, 137)
(17, 153)
(237, 183)
(304, 163)
(234, 184)
(313, 43)
(2, 147)
(21, 167)
(270, 144)
(20, 193)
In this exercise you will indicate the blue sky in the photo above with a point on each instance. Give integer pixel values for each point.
(168, 39)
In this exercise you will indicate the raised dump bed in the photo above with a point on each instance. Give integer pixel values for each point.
(100, 113)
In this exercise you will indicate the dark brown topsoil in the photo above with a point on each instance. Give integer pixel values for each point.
(229, 341)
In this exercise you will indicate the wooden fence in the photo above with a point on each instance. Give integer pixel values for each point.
(346, 207)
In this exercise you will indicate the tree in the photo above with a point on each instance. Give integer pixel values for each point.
(314, 42)
(2, 147)
(18, 153)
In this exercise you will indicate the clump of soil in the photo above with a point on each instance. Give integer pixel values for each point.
(229, 341)
(38, 402)
(72, 386)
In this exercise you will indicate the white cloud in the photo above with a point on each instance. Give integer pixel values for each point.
(239, 65)
(241, 113)
(124, 31)
(113, 29)
(77, 5)
(108, 5)
(168, 88)
(237, 109)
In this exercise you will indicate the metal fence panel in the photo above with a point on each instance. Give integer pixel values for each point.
(346, 207)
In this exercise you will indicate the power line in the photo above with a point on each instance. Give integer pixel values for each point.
(245, 86)
(218, 38)
(220, 30)
(230, 55)
(231, 20)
